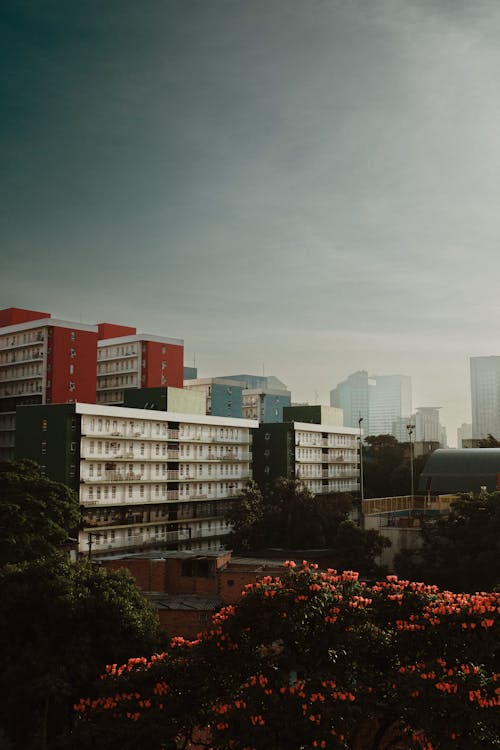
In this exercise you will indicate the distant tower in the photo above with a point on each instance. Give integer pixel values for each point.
(485, 396)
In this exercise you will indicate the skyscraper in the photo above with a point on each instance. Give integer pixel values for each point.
(485, 396)
(380, 400)
(352, 397)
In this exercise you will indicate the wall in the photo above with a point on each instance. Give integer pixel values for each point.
(61, 343)
(12, 316)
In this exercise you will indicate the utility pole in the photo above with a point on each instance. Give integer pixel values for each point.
(361, 484)
(411, 429)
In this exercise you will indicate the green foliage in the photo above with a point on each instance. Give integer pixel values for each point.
(60, 623)
(286, 515)
(386, 467)
(461, 551)
(313, 660)
(36, 515)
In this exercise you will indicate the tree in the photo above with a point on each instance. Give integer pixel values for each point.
(386, 467)
(489, 442)
(36, 515)
(286, 515)
(314, 660)
(460, 551)
(59, 623)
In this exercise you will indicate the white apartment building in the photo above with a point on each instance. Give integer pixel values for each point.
(323, 457)
(144, 478)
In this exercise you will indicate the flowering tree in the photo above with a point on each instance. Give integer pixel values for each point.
(314, 660)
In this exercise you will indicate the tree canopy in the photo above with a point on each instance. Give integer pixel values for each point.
(59, 623)
(386, 467)
(286, 515)
(36, 515)
(460, 551)
(314, 660)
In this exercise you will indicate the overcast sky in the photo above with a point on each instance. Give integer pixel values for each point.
(308, 187)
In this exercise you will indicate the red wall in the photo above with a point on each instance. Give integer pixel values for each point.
(152, 358)
(12, 316)
(113, 330)
(84, 361)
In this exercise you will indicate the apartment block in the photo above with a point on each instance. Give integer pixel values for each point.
(145, 479)
(126, 359)
(265, 404)
(323, 457)
(223, 398)
(43, 360)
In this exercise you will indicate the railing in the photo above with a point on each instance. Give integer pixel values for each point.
(407, 502)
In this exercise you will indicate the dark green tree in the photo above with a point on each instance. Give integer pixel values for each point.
(285, 514)
(460, 551)
(60, 622)
(309, 660)
(36, 515)
(355, 549)
(386, 467)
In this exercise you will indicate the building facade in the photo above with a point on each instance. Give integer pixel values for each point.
(223, 398)
(144, 478)
(42, 360)
(131, 360)
(389, 400)
(323, 457)
(351, 395)
(485, 396)
(265, 404)
(380, 401)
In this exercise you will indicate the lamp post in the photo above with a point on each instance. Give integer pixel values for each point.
(361, 484)
(411, 430)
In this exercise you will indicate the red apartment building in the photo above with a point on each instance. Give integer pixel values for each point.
(126, 359)
(44, 360)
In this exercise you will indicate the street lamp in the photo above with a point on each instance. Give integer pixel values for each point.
(411, 429)
(361, 485)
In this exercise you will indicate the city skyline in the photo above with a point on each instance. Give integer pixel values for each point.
(302, 189)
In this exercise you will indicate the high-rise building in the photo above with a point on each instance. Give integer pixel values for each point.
(379, 400)
(126, 359)
(265, 404)
(464, 432)
(427, 425)
(42, 360)
(144, 478)
(485, 396)
(323, 457)
(262, 396)
(389, 399)
(352, 397)
(223, 398)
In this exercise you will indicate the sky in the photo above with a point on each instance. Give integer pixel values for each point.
(304, 188)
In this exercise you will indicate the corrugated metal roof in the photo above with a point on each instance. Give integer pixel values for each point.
(461, 470)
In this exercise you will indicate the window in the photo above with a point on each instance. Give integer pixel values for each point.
(44, 448)
(73, 336)
(44, 425)
(72, 447)
(72, 369)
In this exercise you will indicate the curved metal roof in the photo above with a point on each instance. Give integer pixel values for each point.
(450, 470)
